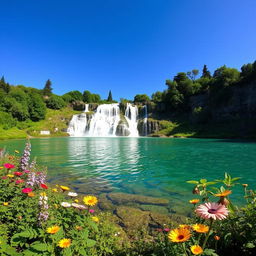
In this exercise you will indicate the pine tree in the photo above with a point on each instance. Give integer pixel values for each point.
(206, 72)
(47, 91)
(110, 96)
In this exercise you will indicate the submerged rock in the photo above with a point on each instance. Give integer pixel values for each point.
(153, 208)
(123, 198)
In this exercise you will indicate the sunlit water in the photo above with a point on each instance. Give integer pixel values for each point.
(156, 167)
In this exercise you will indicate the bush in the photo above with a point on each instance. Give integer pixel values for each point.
(37, 107)
(55, 102)
(6, 120)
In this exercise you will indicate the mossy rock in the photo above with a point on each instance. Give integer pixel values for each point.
(123, 198)
(132, 218)
(105, 204)
(154, 208)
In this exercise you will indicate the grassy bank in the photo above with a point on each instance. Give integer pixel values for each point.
(56, 121)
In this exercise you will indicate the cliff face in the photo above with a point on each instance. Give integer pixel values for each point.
(239, 102)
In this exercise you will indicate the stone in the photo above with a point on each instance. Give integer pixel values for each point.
(123, 198)
(154, 208)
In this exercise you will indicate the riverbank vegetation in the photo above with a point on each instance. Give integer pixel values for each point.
(193, 105)
(50, 219)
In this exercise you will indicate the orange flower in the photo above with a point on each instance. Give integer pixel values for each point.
(245, 185)
(224, 193)
(64, 243)
(194, 201)
(179, 235)
(217, 238)
(185, 226)
(53, 229)
(196, 249)
(31, 194)
(200, 228)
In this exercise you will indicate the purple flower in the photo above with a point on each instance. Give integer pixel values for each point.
(24, 161)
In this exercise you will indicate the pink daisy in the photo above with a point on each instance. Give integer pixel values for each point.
(212, 211)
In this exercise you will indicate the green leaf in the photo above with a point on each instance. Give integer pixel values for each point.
(203, 181)
(90, 243)
(39, 246)
(250, 245)
(192, 182)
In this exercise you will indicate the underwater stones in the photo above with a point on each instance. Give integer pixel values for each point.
(105, 204)
(123, 198)
(132, 218)
(154, 208)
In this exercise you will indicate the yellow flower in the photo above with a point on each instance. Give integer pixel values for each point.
(1, 167)
(224, 193)
(179, 235)
(43, 194)
(200, 228)
(16, 151)
(10, 175)
(54, 190)
(53, 229)
(194, 201)
(95, 219)
(79, 228)
(64, 188)
(5, 203)
(64, 243)
(76, 201)
(184, 226)
(90, 200)
(31, 194)
(196, 249)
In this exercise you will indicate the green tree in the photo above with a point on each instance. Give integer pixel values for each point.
(37, 107)
(55, 102)
(95, 98)
(193, 74)
(47, 91)
(157, 96)
(73, 96)
(224, 76)
(4, 86)
(110, 99)
(141, 98)
(206, 73)
(87, 97)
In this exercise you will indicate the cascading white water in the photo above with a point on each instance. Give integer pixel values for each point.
(104, 122)
(77, 125)
(86, 109)
(131, 116)
(145, 121)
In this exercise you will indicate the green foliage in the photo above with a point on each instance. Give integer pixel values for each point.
(141, 98)
(89, 97)
(37, 107)
(6, 120)
(110, 99)
(157, 97)
(55, 102)
(73, 96)
(47, 90)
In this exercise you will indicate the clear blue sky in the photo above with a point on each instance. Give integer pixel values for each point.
(128, 46)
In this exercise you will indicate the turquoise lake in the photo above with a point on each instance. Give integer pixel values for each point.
(157, 167)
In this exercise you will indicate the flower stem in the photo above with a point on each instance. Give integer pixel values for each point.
(184, 248)
(208, 234)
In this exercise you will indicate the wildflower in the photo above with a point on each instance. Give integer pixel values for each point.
(53, 229)
(95, 219)
(76, 201)
(9, 166)
(65, 204)
(18, 173)
(64, 243)
(200, 228)
(217, 238)
(185, 226)
(166, 229)
(91, 211)
(1, 167)
(19, 181)
(196, 249)
(194, 201)
(179, 235)
(224, 193)
(5, 203)
(64, 188)
(26, 171)
(79, 228)
(16, 151)
(24, 160)
(26, 190)
(43, 194)
(72, 194)
(55, 190)
(90, 200)
(43, 186)
(78, 206)
(43, 216)
(4, 178)
(31, 194)
(10, 175)
(212, 211)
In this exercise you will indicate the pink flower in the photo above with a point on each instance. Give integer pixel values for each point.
(19, 181)
(166, 229)
(18, 173)
(212, 211)
(91, 211)
(43, 186)
(26, 190)
(4, 178)
(27, 171)
(9, 166)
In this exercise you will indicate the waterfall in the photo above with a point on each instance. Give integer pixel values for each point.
(86, 109)
(145, 121)
(131, 116)
(104, 122)
(77, 125)
(107, 121)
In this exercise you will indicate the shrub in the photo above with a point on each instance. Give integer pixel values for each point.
(55, 102)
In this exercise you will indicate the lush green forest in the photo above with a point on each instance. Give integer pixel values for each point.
(24, 107)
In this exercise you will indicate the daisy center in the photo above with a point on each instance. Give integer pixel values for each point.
(180, 237)
(212, 211)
